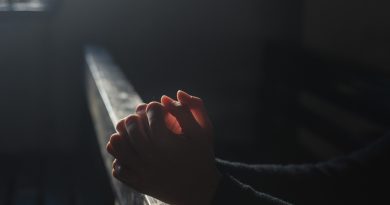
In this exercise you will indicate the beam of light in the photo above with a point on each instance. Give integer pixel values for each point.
(23, 5)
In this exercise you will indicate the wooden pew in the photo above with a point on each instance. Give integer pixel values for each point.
(111, 97)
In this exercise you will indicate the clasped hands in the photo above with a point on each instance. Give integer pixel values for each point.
(165, 150)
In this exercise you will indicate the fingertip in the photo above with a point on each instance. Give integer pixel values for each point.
(183, 97)
(181, 92)
(154, 112)
(165, 100)
(131, 119)
(153, 106)
(115, 145)
(109, 148)
(115, 139)
(141, 108)
(113, 136)
(120, 125)
(134, 125)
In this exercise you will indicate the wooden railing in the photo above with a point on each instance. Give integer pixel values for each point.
(111, 97)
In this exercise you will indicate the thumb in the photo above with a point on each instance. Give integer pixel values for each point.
(197, 108)
(182, 113)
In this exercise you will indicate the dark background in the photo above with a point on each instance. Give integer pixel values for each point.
(238, 55)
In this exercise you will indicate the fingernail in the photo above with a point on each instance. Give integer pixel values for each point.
(170, 100)
(167, 98)
(181, 95)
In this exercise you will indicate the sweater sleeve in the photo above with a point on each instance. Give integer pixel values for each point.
(350, 179)
(231, 191)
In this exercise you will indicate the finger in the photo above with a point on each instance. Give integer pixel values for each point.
(124, 174)
(156, 114)
(110, 149)
(171, 121)
(118, 146)
(197, 108)
(137, 136)
(122, 150)
(141, 111)
(182, 113)
(121, 128)
(141, 107)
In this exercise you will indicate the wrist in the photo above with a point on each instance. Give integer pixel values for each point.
(204, 194)
(213, 187)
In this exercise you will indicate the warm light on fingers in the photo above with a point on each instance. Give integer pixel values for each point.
(173, 124)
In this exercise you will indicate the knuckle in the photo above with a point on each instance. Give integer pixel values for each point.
(115, 139)
(109, 147)
(131, 119)
(120, 125)
(113, 135)
(155, 106)
(132, 123)
(141, 107)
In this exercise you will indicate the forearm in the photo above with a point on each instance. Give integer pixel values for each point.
(231, 191)
(321, 183)
(292, 183)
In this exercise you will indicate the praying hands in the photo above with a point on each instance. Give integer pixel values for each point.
(165, 150)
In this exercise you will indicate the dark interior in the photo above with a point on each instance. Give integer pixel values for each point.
(283, 82)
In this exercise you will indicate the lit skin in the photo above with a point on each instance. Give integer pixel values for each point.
(165, 150)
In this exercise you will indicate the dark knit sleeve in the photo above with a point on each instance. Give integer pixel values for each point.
(231, 191)
(350, 179)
